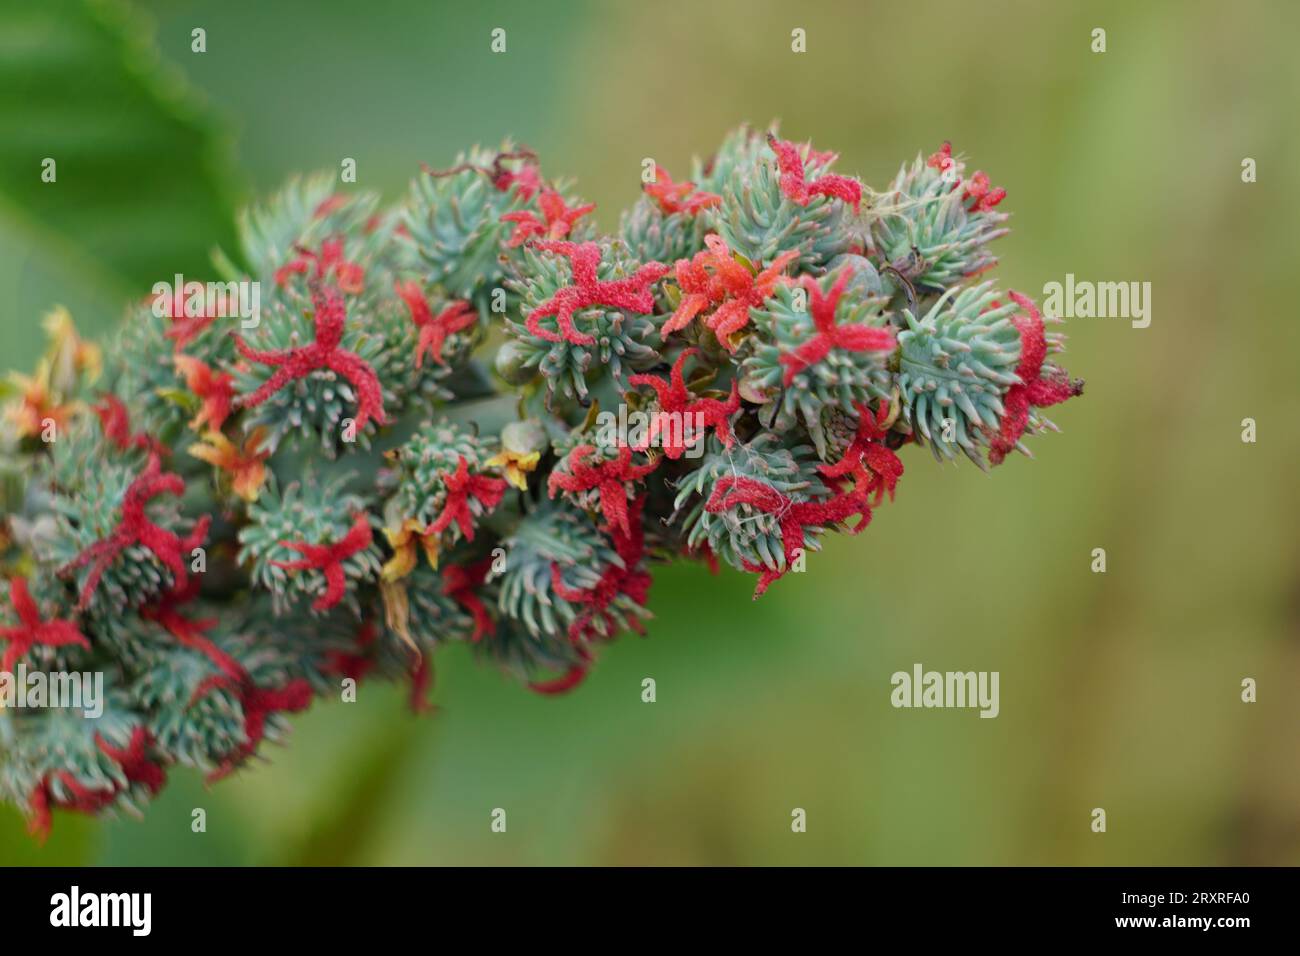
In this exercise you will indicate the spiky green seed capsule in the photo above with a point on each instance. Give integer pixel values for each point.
(954, 365)
(421, 467)
(90, 511)
(36, 745)
(743, 535)
(923, 227)
(553, 535)
(624, 340)
(840, 380)
(319, 408)
(454, 224)
(139, 363)
(653, 236)
(308, 511)
(435, 619)
(738, 153)
(302, 215)
(759, 222)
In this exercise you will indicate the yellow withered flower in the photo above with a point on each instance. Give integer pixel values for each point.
(37, 403)
(403, 541)
(516, 465)
(522, 444)
(245, 466)
(69, 354)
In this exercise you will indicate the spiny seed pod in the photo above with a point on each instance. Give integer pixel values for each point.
(41, 616)
(554, 542)
(193, 726)
(320, 405)
(304, 215)
(423, 464)
(655, 236)
(817, 345)
(442, 490)
(312, 541)
(620, 338)
(758, 220)
(740, 535)
(139, 363)
(526, 656)
(954, 365)
(58, 756)
(435, 616)
(454, 225)
(932, 227)
(741, 150)
(118, 535)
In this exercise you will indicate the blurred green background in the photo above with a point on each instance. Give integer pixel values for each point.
(1118, 690)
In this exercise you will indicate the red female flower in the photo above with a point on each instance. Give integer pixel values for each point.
(190, 633)
(244, 467)
(136, 528)
(116, 423)
(792, 517)
(434, 329)
(942, 158)
(676, 399)
(977, 188)
(630, 580)
(421, 684)
(323, 353)
(570, 679)
(632, 292)
(678, 197)
(461, 486)
(609, 476)
(216, 391)
(714, 279)
(798, 191)
(556, 222)
(1033, 390)
(329, 558)
(525, 181)
(985, 198)
(186, 328)
(851, 338)
(349, 276)
(258, 703)
(461, 583)
(84, 799)
(38, 405)
(133, 759)
(31, 630)
(874, 468)
(627, 578)
(354, 664)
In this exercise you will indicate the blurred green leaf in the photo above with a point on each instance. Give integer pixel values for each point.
(141, 184)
